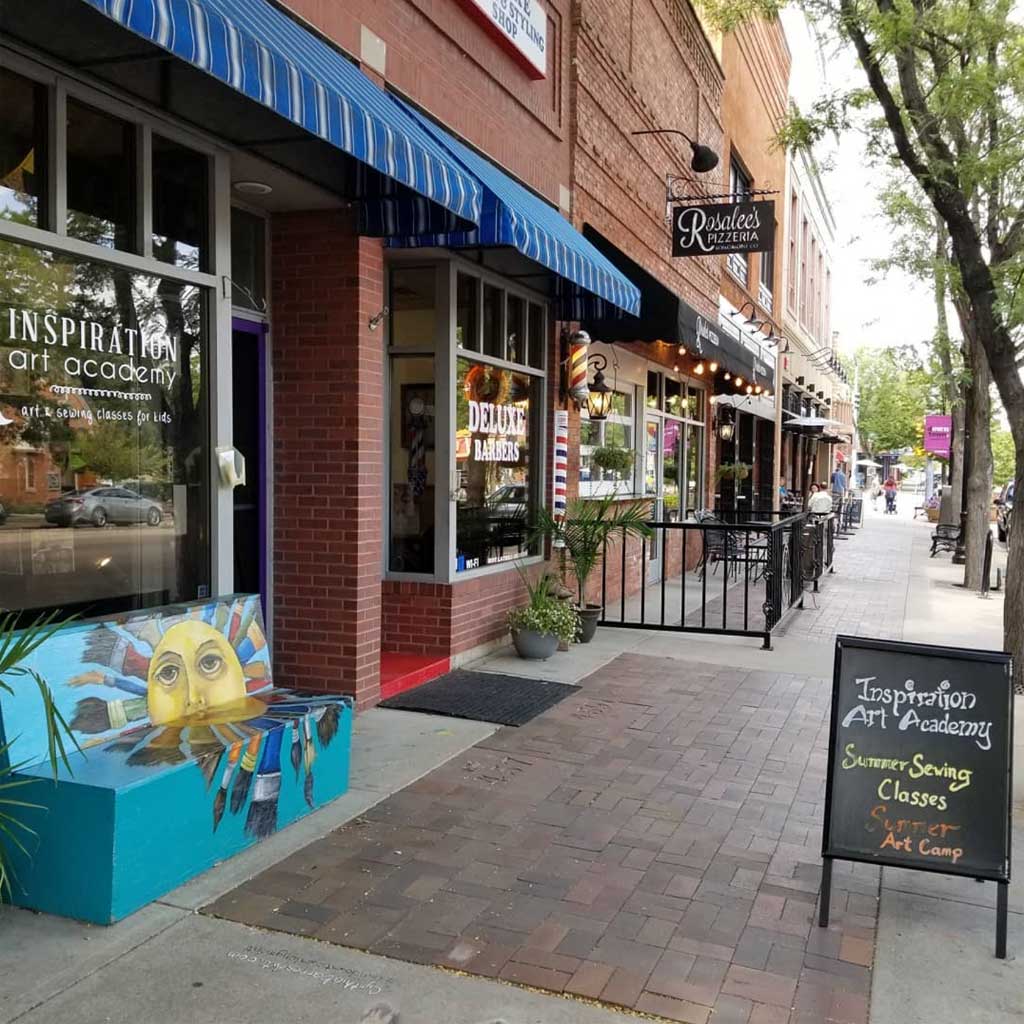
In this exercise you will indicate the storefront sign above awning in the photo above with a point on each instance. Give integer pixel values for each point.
(720, 228)
(666, 317)
(521, 26)
(514, 216)
(260, 52)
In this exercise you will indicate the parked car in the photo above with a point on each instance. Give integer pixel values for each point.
(3, 514)
(102, 505)
(1004, 511)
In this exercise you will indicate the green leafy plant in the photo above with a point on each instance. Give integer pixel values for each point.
(733, 471)
(589, 525)
(544, 614)
(613, 458)
(15, 647)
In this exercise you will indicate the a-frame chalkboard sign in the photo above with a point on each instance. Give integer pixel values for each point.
(920, 770)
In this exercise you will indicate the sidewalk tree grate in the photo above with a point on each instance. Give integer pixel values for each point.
(483, 697)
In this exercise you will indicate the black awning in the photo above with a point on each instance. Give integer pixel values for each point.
(664, 316)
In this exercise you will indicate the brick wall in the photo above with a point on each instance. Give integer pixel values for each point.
(641, 66)
(441, 57)
(327, 452)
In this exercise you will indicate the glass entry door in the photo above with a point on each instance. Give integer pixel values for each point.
(663, 463)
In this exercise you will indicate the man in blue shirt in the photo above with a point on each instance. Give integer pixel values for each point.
(839, 481)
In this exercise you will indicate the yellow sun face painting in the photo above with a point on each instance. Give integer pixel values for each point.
(194, 672)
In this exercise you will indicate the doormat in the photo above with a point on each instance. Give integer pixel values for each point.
(483, 697)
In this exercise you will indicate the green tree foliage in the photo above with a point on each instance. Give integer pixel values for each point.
(1004, 462)
(114, 451)
(895, 393)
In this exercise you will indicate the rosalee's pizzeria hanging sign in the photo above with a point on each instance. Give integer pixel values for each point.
(720, 228)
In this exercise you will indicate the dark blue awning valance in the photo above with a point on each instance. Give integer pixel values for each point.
(263, 54)
(513, 216)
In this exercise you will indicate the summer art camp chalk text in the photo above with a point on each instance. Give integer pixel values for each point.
(919, 762)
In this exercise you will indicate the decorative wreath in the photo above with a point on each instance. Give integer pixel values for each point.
(487, 384)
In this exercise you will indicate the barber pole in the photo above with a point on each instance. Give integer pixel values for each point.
(578, 349)
(561, 462)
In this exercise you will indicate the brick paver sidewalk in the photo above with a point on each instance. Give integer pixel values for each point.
(651, 842)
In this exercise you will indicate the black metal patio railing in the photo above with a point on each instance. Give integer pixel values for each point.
(716, 573)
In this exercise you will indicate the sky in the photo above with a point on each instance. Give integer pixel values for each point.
(894, 311)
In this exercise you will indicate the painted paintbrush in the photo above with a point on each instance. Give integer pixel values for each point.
(221, 799)
(243, 779)
(261, 820)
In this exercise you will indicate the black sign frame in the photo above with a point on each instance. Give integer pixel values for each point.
(830, 852)
(759, 238)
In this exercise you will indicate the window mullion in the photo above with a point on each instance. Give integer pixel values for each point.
(144, 191)
(57, 181)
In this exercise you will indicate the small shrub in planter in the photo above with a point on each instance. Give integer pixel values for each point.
(539, 627)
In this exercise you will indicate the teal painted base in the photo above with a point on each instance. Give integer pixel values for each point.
(122, 830)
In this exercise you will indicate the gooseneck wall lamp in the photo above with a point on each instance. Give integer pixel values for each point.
(704, 158)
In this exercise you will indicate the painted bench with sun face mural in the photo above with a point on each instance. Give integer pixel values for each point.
(188, 754)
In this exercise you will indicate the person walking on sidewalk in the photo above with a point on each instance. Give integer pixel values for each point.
(889, 487)
(838, 482)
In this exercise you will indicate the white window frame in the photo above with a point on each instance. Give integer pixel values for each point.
(601, 488)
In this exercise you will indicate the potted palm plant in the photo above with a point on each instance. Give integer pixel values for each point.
(15, 647)
(589, 525)
(544, 622)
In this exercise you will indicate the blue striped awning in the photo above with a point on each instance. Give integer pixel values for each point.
(260, 52)
(588, 283)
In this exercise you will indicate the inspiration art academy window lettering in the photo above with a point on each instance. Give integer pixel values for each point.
(103, 435)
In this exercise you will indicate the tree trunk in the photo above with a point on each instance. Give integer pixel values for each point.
(978, 418)
(956, 476)
(951, 379)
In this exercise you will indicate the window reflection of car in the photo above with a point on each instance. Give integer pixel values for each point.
(102, 505)
(3, 514)
(507, 502)
(1004, 511)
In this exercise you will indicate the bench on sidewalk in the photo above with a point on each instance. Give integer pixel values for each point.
(189, 754)
(944, 538)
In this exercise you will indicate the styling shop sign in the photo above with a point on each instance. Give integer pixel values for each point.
(521, 26)
(919, 761)
(721, 228)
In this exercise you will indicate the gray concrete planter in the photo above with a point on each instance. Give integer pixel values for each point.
(534, 646)
(588, 622)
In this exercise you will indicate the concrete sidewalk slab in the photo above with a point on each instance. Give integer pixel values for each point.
(42, 956)
(935, 963)
(206, 971)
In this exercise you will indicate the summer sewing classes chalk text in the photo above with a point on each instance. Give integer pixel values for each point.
(917, 767)
(881, 706)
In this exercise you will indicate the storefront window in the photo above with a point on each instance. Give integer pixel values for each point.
(467, 312)
(248, 260)
(494, 301)
(653, 389)
(22, 150)
(413, 464)
(538, 336)
(413, 306)
(614, 432)
(103, 436)
(180, 198)
(694, 454)
(497, 422)
(100, 178)
(515, 329)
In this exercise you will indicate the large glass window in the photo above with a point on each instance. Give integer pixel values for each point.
(413, 306)
(22, 150)
(740, 185)
(100, 177)
(180, 197)
(248, 260)
(497, 423)
(598, 474)
(467, 312)
(103, 436)
(494, 303)
(538, 336)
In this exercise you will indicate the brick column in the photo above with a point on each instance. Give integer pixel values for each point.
(328, 454)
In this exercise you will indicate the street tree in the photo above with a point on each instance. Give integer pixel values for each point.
(894, 389)
(947, 79)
